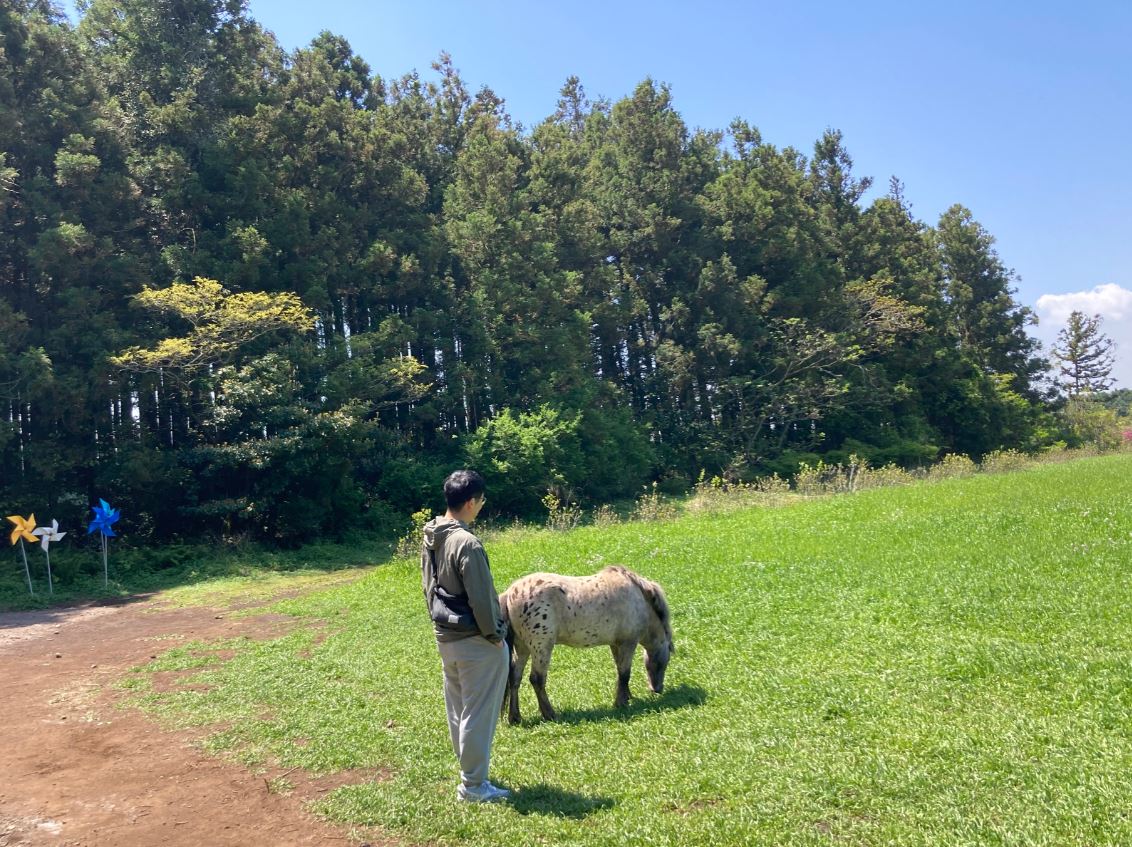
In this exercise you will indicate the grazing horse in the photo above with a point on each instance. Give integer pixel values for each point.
(614, 606)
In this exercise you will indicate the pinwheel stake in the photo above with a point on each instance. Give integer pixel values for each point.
(23, 530)
(47, 534)
(103, 521)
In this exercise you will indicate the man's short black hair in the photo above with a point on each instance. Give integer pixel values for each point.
(462, 486)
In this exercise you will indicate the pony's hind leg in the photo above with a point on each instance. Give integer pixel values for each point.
(623, 652)
(518, 665)
(540, 664)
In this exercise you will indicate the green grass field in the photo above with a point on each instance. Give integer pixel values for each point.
(943, 664)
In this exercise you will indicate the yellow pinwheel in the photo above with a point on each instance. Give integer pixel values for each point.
(23, 532)
(24, 528)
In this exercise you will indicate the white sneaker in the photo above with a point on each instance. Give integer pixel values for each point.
(485, 792)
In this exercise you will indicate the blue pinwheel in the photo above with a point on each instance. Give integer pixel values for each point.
(104, 519)
(103, 522)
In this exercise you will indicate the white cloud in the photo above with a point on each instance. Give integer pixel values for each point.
(1112, 302)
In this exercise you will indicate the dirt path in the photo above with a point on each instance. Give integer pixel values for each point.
(77, 771)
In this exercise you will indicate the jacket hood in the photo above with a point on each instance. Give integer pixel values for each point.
(436, 530)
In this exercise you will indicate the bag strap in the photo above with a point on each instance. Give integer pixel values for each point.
(435, 583)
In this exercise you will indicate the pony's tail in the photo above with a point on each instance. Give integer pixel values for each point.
(654, 594)
(509, 640)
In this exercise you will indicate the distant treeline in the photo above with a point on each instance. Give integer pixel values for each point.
(409, 282)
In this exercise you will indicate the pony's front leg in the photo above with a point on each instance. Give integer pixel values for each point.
(623, 652)
(540, 665)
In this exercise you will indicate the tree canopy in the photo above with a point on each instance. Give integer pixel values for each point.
(246, 290)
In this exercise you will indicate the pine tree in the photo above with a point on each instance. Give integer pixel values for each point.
(1084, 355)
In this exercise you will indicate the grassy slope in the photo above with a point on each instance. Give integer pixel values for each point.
(942, 664)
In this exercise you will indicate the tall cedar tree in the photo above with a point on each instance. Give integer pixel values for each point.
(1084, 355)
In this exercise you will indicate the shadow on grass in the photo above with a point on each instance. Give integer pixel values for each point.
(674, 697)
(542, 799)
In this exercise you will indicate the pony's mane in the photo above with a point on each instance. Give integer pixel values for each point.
(653, 593)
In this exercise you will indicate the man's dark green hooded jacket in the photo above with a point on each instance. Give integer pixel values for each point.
(461, 568)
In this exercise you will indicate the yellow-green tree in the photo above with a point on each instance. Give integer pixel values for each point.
(220, 322)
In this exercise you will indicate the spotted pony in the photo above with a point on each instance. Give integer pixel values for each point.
(614, 606)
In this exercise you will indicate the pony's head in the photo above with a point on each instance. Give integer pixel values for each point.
(656, 662)
(660, 646)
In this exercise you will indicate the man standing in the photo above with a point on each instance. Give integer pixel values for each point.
(470, 634)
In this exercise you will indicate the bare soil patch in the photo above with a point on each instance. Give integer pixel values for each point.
(79, 771)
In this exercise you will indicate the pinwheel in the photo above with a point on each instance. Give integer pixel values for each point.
(46, 535)
(103, 521)
(23, 531)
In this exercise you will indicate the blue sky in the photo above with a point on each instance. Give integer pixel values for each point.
(1021, 111)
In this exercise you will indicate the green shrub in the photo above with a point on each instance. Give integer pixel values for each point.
(408, 482)
(561, 514)
(616, 455)
(721, 495)
(884, 477)
(652, 506)
(1088, 422)
(788, 463)
(522, 456)
(1002, 461)
(674, 484)
(906, 453)
(409, 544)
(952, 466)
(821, 478)
(605, 515)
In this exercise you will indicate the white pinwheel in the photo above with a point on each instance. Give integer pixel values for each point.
(46, 535)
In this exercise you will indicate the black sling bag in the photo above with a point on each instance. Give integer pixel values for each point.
(444, 607)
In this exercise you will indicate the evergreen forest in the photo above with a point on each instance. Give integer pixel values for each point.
(253, 292)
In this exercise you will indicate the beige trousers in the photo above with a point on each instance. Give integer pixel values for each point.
(475, 675)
